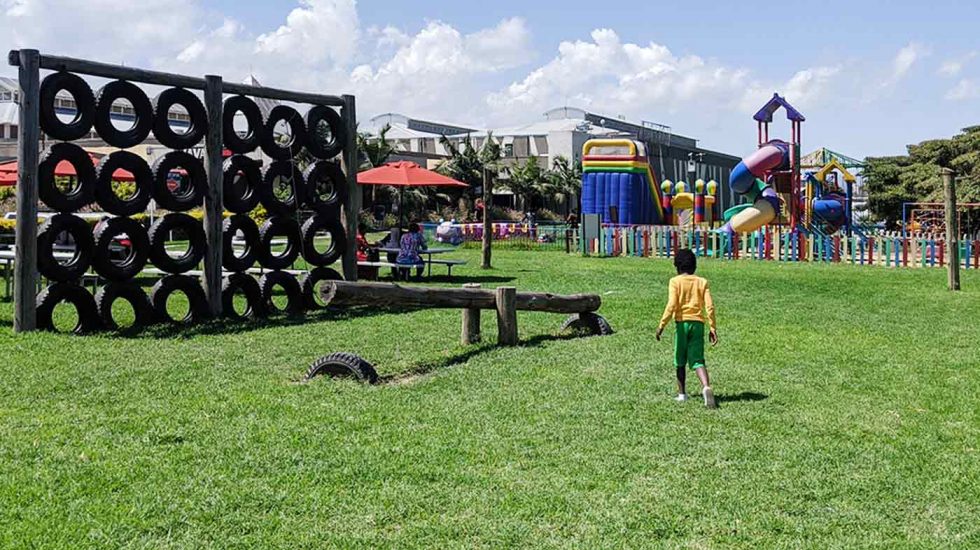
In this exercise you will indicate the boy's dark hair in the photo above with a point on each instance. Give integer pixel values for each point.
(362, 228)
(685, 261)
(414, 228)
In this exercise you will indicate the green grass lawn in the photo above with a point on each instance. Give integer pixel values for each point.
(849, 417)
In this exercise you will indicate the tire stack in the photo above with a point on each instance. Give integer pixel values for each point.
(284, 192)
(120, 231)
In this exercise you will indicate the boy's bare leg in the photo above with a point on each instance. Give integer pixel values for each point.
(703, 377)
(706, 391)
(681, 381)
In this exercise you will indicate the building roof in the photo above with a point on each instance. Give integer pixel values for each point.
(545, 127)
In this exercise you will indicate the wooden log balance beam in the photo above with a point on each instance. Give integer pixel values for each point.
(504, 300)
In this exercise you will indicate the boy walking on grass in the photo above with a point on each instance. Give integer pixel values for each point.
(688, 297)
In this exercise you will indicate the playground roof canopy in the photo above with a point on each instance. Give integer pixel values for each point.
(820, 158)
(773, 105)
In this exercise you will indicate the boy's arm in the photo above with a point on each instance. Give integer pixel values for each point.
(671, 306)
(709, 308)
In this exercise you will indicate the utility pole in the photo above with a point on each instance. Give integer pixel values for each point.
(952, 228)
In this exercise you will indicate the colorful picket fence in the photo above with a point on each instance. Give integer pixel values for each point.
(777, 245)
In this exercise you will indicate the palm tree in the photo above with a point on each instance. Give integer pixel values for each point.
(373, 152)
(565, 180)
(529, 182)
(476, 168)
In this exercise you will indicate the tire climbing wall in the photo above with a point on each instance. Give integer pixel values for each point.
(297, 177)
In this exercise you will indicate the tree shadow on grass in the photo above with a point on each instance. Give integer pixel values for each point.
(737, 397)
(430, 367)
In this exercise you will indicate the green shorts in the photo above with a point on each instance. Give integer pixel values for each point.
(689, 344)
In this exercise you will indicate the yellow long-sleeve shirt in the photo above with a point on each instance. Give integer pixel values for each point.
(688, 297)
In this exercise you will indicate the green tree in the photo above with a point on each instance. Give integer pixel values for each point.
(528, 182)
(892, 181)
(374, 151)
(565, 181)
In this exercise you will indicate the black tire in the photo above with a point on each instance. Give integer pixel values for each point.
(197, 243)
(308, 283)
(84, 192)
(191, 287)
(132, 293)
(76, 295)
(319, 222)
(589, 324)
(48, 235)
(192, 195)
(142, 176)
(198, 124)
(250, 231)
(330, 172)
(289, 284)
(274, 226)
(142, 108)
(253, 116)
(267, 191)
(80, 91)
(343, 365)
(317, 146)
(270, 146)
(242, 184)
(246, 285)
(105, 233)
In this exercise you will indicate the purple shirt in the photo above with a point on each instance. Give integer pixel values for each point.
(408, 251)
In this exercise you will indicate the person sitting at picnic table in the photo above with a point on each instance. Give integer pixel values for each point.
(366, 252)
(411, 244)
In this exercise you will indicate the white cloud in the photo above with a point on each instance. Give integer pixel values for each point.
(906, 58)
(954, 66)
(321, 29)
(965, 89)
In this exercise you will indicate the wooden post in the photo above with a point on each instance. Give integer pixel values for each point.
(471, 322)
(952, 228)
(25, 247)
(353, 207)
(506, 297)
(214, 198)
(487, 221)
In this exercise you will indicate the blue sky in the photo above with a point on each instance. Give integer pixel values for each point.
(870, 76)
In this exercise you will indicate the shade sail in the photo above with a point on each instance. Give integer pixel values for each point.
(64, 169)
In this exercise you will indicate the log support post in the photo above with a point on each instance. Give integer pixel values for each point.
(353, 207)
(25, 246)
(506, 301)
(213, 199)
(952, 228)
(471, 322)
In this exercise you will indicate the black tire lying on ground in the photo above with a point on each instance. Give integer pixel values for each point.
(590, 324)
(80, 91)
(198, 123)
(250, 233)
(282, 171)
(191, 287)
(308, 282)
(196, 243)
(343, 365)
(142, 108)
(47, 237)
(190, 196)
(253, 116)
(315, 142)
(246, 285)
(325, 174)
(289, 285)
(76, 295)
(142, 176)
(242, 183)
(84, 192)
(139, 246)
(274, 227)
(338, 237)
(297, 129)
(130, 292)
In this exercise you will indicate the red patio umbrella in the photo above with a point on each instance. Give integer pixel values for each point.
(405, 174)
(64, 169)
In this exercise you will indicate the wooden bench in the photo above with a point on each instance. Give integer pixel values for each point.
(394, 266)
(448, 263)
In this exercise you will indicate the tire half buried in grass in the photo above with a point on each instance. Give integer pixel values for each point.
(343, 365)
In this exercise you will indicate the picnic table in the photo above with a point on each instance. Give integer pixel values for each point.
(8, 257)
(429, 252)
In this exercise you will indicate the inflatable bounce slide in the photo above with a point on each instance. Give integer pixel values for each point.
(618, 183)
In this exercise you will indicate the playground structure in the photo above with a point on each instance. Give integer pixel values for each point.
(618, 183)
(826, 206)
(689, 209)
(929, 218)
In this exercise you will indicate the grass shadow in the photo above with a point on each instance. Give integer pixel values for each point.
(746, 396)
(429, 367)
